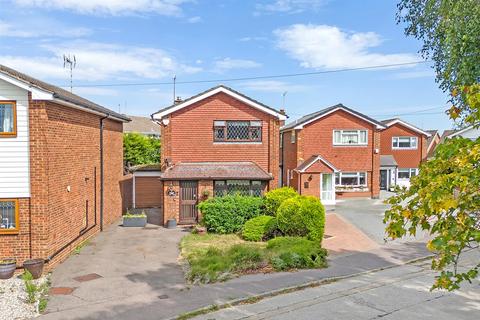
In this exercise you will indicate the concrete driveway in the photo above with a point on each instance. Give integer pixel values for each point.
(124, 266)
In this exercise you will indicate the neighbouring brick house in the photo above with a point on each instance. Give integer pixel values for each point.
(332, 153)
(432, 142)
(217, 142)
(403, 147)
(61, 165)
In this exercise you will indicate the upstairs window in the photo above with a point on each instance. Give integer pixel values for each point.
(237, 131)
(404, 142)
(8, 216)
(350, 137)
(8, 121)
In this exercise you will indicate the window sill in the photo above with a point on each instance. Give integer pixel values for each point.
(9, 232)
(8, 135)
(350, 145)
(237, 142)
(393, 148)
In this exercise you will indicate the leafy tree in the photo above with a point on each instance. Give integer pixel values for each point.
(450, 32)
(444, 199)
(140, 149)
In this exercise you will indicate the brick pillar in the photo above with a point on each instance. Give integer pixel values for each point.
(171, 202)
(376, 165)
(166, 138)
(274, 147)
(38, 121)
(299, 142)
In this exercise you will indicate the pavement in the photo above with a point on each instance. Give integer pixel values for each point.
(397, 293)
(127, 272)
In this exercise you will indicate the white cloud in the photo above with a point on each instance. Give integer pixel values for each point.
(109, 7)
(289, 6)
(38, 27)
(272, 86)
(99, 61)
(323, 46)
(196, 19)
(228, 64)
(247, 39)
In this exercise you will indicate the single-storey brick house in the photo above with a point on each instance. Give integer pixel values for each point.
(402, 148)
(61, 163)
(332, 153)
(217, 142)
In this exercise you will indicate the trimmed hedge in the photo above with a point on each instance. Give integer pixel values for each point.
(302, 216)
(228, 214)
(274, 198)
(256, 228)
(296, 253)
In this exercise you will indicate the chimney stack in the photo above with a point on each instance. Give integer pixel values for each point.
(178, 100)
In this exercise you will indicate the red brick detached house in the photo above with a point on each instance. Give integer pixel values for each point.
(217, 142)
(332, 153)
(61, 162)
(403, 147)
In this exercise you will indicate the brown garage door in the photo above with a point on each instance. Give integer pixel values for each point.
(148, 192)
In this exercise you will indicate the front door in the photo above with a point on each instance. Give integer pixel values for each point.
(188, 202)
(383, 179)
(327, 190)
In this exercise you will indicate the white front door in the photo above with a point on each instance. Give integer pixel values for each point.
(327, 189)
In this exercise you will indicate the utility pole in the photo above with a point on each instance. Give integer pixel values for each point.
(70, 63)
(283, 99)
(174, 84)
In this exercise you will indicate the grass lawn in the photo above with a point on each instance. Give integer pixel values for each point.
(214, 257)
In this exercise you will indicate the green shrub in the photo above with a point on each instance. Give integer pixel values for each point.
(256, 228)
(302, 216)
(228, 214)
(272, 230)
(295, 253)
(274, 198)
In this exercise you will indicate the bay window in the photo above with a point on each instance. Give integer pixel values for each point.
(8, 216)
(353, 179)
(8, 121)
(237, 131)
(240, 187)
(404, 142)
(407, 173)
(350, 137)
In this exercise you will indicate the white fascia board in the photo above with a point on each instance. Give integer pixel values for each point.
(331, 166)
(408, 126)
(160, 115)
(460, 132)
(300, 126)
(37, 93)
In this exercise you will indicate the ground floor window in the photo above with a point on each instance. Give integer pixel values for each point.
(351, 179)
(8, 215)
(407, 173)
(242, 187)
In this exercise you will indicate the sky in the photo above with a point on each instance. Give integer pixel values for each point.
(122, 45)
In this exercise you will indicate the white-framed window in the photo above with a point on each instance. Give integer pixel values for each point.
(407, 173)
(350, 137)
(351, 178)
(281, 140)
(292, 136)
(404, 142)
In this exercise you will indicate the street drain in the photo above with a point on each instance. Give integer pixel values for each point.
(163, 296)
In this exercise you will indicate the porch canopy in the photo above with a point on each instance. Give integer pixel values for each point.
(388, 161)
(316, 163)
(243, 170)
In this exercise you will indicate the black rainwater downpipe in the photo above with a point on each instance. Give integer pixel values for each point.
(101, 170)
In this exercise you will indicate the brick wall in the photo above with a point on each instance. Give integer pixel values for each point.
(64, 176)
(404, 158)
(316, 138)
(189, 135)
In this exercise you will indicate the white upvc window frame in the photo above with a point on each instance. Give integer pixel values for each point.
(293, 137)
(396, 143)
(350, 174)
(410, 171)
(359, 136)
